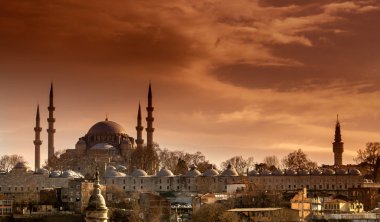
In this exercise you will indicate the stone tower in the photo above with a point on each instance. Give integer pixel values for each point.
(149, 120)
(37, 141)
(51, 121)
(97, 209)
(139, 129)
(338, 145)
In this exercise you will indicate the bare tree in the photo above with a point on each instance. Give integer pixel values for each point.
(298, 160)
(370, 156)
(170, 160)
(8, 162)
(272, 161)
(241, 165)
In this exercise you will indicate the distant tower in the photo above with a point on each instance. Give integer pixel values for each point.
(149, 120)
(338, 145)
(51, 121)
(37, 141)
(139, 129)
(97, 209)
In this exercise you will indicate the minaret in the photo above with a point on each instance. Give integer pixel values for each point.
(51, 121)
(338, 145)
(149, 120)
(37, 141)
(139, 129)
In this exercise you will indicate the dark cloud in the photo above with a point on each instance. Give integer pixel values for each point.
(345, 51)
(92, 32)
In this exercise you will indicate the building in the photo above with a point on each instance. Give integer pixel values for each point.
(6, 206)
(96, 210)
(105, 143)
(23, 185)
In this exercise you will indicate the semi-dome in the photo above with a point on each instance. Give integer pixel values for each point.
(165, 173)
(304, 172)
(193, 172)
(290, 172)
(71, 174)
(278, 172)
(341, 171)
(253, 173)
(230, 171)
(81, 142)
(328, 172)
(55, 174)
(111, 172)
(21, 165)
(211, 172)
(139, 173)
(316, 172)
(266, 172)
(106, 127)
(355, 172)
(42, 171)
(121, 168)
(103, 146)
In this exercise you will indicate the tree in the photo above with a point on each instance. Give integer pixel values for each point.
(272, 162)
(170, 160)
(241, 165)
(211, 212)
(181, 167)
(298, 160)
(371, 156)
(146, 158)
(8, 162)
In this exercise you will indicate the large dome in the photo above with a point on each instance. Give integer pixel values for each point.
(106, 127)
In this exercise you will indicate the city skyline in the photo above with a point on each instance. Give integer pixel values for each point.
(244, 78)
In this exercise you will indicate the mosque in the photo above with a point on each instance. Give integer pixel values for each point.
(105, 143)
(107, 147)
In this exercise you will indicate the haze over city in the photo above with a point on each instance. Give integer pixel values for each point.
(251, 78)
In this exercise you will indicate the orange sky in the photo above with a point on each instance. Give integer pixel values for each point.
(243, 77)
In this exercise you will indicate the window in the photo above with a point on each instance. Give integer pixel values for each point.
(142, 187)
(142, 181)
(167, 187)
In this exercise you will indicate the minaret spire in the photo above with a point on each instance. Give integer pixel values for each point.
(51, 121)
(338, 136)
(150, 119)
(139, 129)
(37, 140)
(151, 165)
(338, 144)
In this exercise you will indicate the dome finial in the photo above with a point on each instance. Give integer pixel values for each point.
(106, 116)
